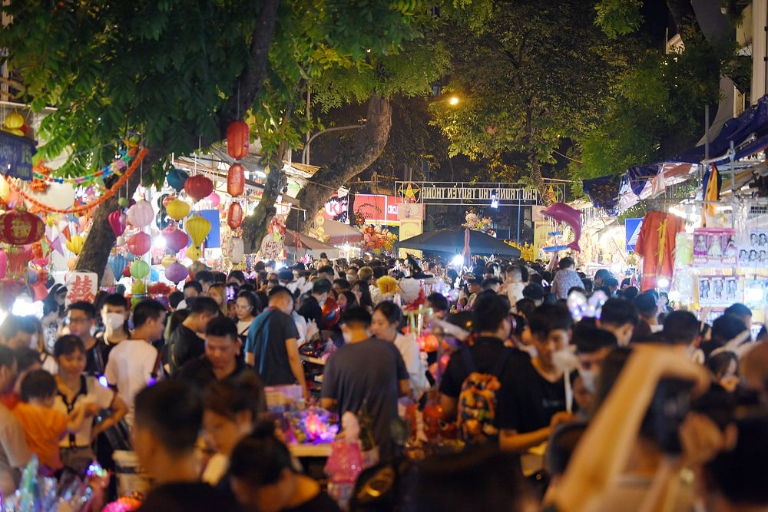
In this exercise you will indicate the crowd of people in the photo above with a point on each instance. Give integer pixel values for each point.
(634, 405)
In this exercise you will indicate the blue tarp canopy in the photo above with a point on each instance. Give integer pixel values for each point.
(749, 133)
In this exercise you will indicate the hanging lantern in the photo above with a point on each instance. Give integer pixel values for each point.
(198, 187)
(3, 263)
(175, 239)
(139, 244)
(176, 179)
(117, 222)
(75, 244)
(238, 139)
(19, 227)
(118, 263)
(235, 180)
(214, 199)
(177, 209)
(139, 269)
(235, 215)
(14, 121)
(193, 253)
(140, 214)
(236, 250)
(168, 261)
(167, 200)
(176, 273)
(198, 228)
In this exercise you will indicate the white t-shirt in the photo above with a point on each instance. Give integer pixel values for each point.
(91, 393)
(130, 367)
(417, 376)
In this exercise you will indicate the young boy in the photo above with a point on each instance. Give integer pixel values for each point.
(535, 402)
(44, 427)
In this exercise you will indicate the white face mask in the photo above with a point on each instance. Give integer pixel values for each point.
(565, 360)
(589, 378)
(114, 320)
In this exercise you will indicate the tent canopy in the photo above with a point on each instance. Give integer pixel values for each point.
(452, 241)
(300, 243)
(341, 233)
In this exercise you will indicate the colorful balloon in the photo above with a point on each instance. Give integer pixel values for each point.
(561, 212)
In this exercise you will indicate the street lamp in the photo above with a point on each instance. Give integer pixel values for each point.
(453, 101)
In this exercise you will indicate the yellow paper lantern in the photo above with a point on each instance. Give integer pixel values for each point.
(198, 228)
(193, 253)
(138, 288)
(14, 120)
(168, 261)
(71, 262)
(177, 209)
(75, 244)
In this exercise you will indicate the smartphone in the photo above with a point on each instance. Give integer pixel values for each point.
(230, 293)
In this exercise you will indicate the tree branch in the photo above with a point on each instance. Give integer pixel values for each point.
(251, 80)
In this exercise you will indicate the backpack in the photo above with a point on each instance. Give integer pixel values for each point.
(477, 400)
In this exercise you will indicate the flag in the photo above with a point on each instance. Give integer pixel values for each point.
(711, 188)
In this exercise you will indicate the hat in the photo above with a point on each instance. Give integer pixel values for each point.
(471, 279)
(285, 275)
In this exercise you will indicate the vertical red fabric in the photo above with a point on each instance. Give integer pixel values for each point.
(656, 244)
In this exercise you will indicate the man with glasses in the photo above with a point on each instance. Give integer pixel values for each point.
(81, 319)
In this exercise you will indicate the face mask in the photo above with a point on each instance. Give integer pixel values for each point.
(565, 360)
(114, 320)
(589, 378)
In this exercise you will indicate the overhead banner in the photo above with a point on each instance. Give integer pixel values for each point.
(458, 193)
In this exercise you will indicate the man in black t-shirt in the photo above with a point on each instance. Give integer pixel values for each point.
(220, 361)
(169, 416)
(532, 400)
(312, 307)
(81, 318)
(184, 343)
(271, 346)
(492, 322)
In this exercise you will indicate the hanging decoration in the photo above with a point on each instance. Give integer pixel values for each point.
(117, 264)
(14, 123)
(236, 250)
(19, 227)
(238, 139)
(139, 244)
(194, 253)
(177, 209)
(175, 239)
(75, 244)
(198, 228)
(176, 272)
(139, 269)
(168, 260)
(235, 215)
(91, 204)
(235, 180)
(117, 221)
(272, 244)
(198, 187)
(214, 199)
(176, 179)
(140, 215)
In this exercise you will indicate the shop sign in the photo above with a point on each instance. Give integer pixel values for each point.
(16, 156)
(632, 228)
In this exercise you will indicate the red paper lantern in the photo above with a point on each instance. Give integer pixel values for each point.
(139, 244)
(235, 216)
(19, 227)
(175, 239)
(198, 187)
(238, 139)
(235, 180)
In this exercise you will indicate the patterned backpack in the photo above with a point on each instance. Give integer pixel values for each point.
(477, 400)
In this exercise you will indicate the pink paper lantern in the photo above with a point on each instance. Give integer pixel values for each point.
(175, 239)
(214, 199)
(139, 244)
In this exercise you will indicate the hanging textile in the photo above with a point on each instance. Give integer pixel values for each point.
(604, 192)
(656, 244)
(711, 192)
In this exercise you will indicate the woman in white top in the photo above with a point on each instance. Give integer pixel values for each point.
(385, 325)
(76, 389)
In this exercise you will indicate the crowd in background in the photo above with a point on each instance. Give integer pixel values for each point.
(640, 406)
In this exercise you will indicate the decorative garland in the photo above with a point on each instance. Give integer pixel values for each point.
(114, 168)
(79, 209)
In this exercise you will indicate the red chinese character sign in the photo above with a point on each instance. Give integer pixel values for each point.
(81, 286)
(20, 227)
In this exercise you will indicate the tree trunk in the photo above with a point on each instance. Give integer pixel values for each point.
(101, 239)
(255, 226)
(357, 153)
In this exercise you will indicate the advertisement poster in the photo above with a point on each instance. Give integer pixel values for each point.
(755, 252)
(714, 247)
(719, 290)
